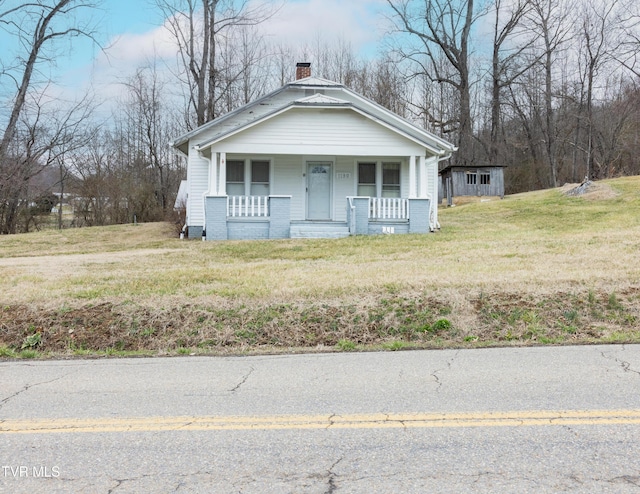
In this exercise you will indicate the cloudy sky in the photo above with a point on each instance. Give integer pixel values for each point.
(133, 34)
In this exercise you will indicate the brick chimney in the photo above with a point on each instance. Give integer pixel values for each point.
(303, 70)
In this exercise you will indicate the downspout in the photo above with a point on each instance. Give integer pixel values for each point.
(444, 157)
(433, 224)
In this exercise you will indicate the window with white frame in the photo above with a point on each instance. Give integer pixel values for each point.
(367, 180)
(243, 180)
(235, 178)
(259, 178)
(485, 178)
(379, 179)
(390, 179)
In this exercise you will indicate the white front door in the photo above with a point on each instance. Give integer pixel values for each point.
(319, 190)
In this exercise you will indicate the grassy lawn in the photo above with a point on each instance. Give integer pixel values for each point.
(536, 268)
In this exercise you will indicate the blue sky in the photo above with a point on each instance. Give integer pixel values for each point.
(131, 32)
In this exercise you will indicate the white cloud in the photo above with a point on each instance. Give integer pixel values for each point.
(136, 49)
(302, 22)
(297, 24)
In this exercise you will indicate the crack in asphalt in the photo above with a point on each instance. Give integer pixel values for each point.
(434, 374)
(332, 477)
(331, 420)
(27, 387)
(626, 366)
(626, 479)
(117, 486)
(181, 483)
(244, 380)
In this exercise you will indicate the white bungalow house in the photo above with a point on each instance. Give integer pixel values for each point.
(312, 158)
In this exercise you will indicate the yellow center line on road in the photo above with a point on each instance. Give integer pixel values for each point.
(350, 421)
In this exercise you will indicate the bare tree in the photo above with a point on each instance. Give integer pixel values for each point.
(550, 20)
(601, 33)
(37, 27)
(197, 27)
(506, 67)
(443, 29)
(43, 136)
(152, 118)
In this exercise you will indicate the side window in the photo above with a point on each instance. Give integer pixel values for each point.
(472, 178)
(485, 179)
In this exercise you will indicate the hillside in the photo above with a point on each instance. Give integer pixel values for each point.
(534, 268)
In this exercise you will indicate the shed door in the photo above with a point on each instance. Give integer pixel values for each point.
(319, 190)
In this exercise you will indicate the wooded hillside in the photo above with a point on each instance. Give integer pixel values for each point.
(548, 88)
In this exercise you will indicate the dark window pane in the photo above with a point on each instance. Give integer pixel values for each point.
(260, 172)
(366, 173)
(235, 171)
(391, 174)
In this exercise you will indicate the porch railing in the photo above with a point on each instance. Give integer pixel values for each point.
(388, 208)
(248, 206)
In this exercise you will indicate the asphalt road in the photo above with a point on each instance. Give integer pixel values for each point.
(555, 419)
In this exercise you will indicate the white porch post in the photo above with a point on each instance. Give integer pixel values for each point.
(213, 174)
(412, 176)
(422, 167)
(247, 177)
(222, 184)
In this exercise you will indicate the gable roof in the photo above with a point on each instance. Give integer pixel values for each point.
(308, 92)
(321, 99)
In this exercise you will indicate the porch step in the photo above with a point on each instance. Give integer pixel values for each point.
(319, 229)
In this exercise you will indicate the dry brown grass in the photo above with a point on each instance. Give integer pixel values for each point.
(534, 268)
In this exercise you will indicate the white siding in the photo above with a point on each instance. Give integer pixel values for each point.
(233, 121)
(343, 187)
(288, 180)
(198, 179)
(384, 114)
(314, 131)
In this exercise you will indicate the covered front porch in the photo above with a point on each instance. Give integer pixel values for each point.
(282, 196)
(269, 217)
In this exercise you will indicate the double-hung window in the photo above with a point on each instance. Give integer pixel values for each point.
(235, 178)
(379, 179)
(251, 180)
(367, 180)
(259, 178)
(390, 179)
